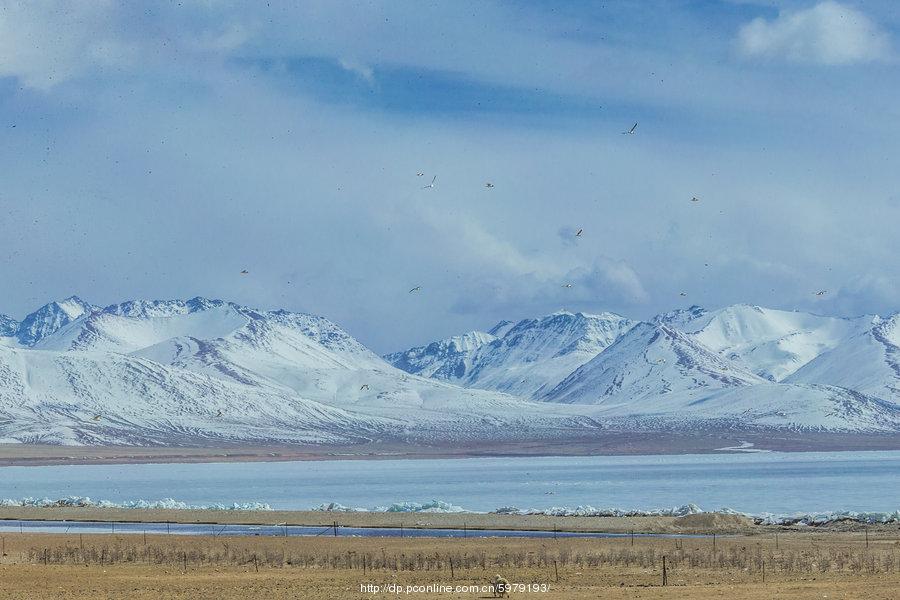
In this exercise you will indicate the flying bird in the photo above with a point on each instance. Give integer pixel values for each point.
(683, 294)
(488, 185)
(821, 292)
(418, 288)
(630, 131)
(695, 199)
(420, 174)
(580, 231)
(567, 285)
(244, 272)
(364, 386)
(96, 418)
(430, 185)
(219, 414)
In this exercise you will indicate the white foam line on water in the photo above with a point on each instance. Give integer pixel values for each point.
(442, 507)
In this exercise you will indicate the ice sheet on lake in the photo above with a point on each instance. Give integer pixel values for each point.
(433, 506)
(165, 503)
(590, 511)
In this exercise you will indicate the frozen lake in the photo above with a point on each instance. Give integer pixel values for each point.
(748, 482)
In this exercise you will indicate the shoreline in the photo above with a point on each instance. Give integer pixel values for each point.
(371, 520)
(705, 523)
(610, 444)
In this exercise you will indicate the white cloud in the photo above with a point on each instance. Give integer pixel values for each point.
(44, 45)
(364, 71)
(828, 33)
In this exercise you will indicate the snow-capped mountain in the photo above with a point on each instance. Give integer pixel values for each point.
(648, 362)
(771, 343)
(868, 362)
(187, 371)
(50, 318)
(448, 359)
(656, 376)
(527, 358)
(198, 371)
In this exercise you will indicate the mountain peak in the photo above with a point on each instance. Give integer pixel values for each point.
(651, 360)
(162, 308)
(501, 328)
(50, 318)
(525, 358)
(680, 316)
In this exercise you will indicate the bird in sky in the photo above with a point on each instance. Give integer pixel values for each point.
(695, 199)
(420, 174)
(364, 386)
(219, 414)
(418, 288)
(430, 185)
(580, 231)
(567, 285)
(821, 292)
(96, 418)
(683, 294)
(244, 272)
(630, 131)
(488, 185)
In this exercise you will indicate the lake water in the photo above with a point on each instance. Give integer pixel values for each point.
(778, 483)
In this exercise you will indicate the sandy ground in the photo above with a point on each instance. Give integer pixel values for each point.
(797, 566)
(604, 443)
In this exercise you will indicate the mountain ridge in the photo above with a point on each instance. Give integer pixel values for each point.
(200, 370)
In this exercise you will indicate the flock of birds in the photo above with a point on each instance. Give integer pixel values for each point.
(490, 185)
(578, 234)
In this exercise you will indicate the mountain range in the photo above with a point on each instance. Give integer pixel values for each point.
(202, 371)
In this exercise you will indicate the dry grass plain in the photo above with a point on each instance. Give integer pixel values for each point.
(803, 565)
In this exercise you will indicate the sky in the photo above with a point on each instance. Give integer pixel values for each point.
(157, 149)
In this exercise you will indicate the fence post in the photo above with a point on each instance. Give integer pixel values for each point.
(665, 580)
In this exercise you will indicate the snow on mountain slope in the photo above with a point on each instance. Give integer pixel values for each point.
(8, 326)
(529, 359)
(868, 362)
(657, 377)
(446, 359)
(771, 343)
(647, 363)
(115, 330)
(215, 370)
(765, 406)
(680, 316)
(50, 318)
(75, 398)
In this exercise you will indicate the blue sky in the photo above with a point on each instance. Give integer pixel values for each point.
(157, 149)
